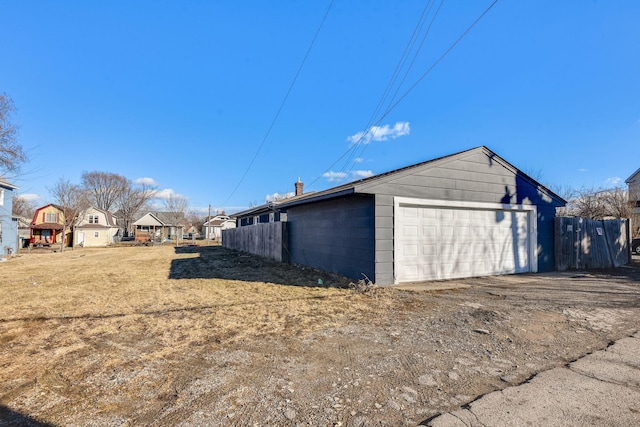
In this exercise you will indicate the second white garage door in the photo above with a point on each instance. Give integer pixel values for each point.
(445, 242)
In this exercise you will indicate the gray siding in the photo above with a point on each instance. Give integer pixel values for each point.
(471, 177)
(384, 239)
(335, 235)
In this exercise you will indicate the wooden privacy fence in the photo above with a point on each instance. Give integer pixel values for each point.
(582, 243)
(269, 239)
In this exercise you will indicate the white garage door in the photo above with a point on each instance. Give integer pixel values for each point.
(445, 242)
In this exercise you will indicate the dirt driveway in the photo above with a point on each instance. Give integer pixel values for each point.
(207, 336)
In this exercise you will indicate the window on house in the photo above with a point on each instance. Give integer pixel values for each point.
(93, 219)
(51, 217)
(1, 196)
(96, 234)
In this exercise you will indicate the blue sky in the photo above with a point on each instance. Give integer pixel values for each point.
(188, 94)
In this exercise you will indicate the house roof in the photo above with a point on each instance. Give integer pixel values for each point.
(37, 212)
(157, 218)
(5, 184)
(111, 221)
(632, 177)
(47, 226)
(22, 221)
(361, 186)
(218, 220)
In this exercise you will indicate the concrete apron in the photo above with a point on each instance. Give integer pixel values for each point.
(600, 389)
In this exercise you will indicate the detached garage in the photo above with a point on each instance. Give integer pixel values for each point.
(464, 215)
(439, 240)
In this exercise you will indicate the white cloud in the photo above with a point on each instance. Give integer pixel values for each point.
(277, 196)
(583, 170)
(341, 176)
(334, 176)
(362, 174)
(146, 181)
(381, 133)
(358, 160)
(614, 181)
(165, 194)
(29, 197)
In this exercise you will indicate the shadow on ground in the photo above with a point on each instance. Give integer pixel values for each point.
(9, 417)
(217, 262)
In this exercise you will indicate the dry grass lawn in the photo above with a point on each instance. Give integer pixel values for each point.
(206, 336)
(69, 319)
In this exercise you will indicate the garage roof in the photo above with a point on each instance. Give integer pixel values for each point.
(362, 185)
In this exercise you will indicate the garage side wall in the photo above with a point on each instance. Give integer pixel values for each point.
(475, 177)
(335, 235)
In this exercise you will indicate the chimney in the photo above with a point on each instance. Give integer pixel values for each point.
(299, 187)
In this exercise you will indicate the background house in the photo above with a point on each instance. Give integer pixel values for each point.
(47, 226)
(95, 227)
(192, 232)
(633, 183)
(24, 231)
(158, 226)
(8, 226)
(212, 229)
(464, 215)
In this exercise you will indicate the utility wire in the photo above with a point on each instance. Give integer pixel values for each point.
(403, 58)
(446, 52)
(414, 85)
(284, 100)
(363, 147)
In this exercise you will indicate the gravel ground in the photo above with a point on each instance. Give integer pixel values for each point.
(400, 363)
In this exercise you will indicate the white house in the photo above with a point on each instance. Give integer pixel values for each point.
(212, 228)
(95, 227)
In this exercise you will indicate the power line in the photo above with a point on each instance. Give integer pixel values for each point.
(406, 74)
(411, 88)
(396, 73)
(446, 52)
(284, 100)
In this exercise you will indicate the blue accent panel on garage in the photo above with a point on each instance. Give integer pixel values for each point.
(335, 235)
(474, 176)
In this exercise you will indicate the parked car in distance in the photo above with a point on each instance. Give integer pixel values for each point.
(635, 246)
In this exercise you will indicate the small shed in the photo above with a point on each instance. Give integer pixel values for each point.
(464, 215)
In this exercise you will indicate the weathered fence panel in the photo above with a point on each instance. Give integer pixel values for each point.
(268, 239)
(582, 243)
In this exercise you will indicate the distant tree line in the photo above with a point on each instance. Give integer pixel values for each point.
(611, 203)
(11, 154)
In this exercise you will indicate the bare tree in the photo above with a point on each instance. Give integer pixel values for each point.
(194, 218)
(177, 207)
(131, 200)
(72, 199)
(23, 207)
(599, 204)
(11, 154)
(634, 207)
(103, 188)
